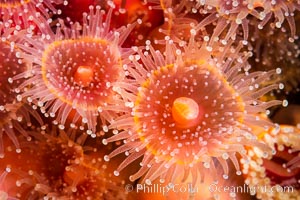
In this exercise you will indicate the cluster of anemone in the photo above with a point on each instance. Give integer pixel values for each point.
(157, 92)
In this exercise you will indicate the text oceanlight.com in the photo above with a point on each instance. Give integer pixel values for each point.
(213, 188)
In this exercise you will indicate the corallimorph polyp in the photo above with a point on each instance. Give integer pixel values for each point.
(52, 166)
(22, 12)
(192, 107)
(78, 70)
(12, 111)
(8, 103)
(232, 14)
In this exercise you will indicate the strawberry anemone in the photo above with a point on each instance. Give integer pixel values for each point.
(191, 107)
(76, 71)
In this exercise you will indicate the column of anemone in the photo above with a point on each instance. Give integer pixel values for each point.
(295, 162)
(278, 174)
(13, 112)
(176, 24)
(192, 107)
(25, 13)
(77, 70)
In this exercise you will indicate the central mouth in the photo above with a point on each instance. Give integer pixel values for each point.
(186, 112)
